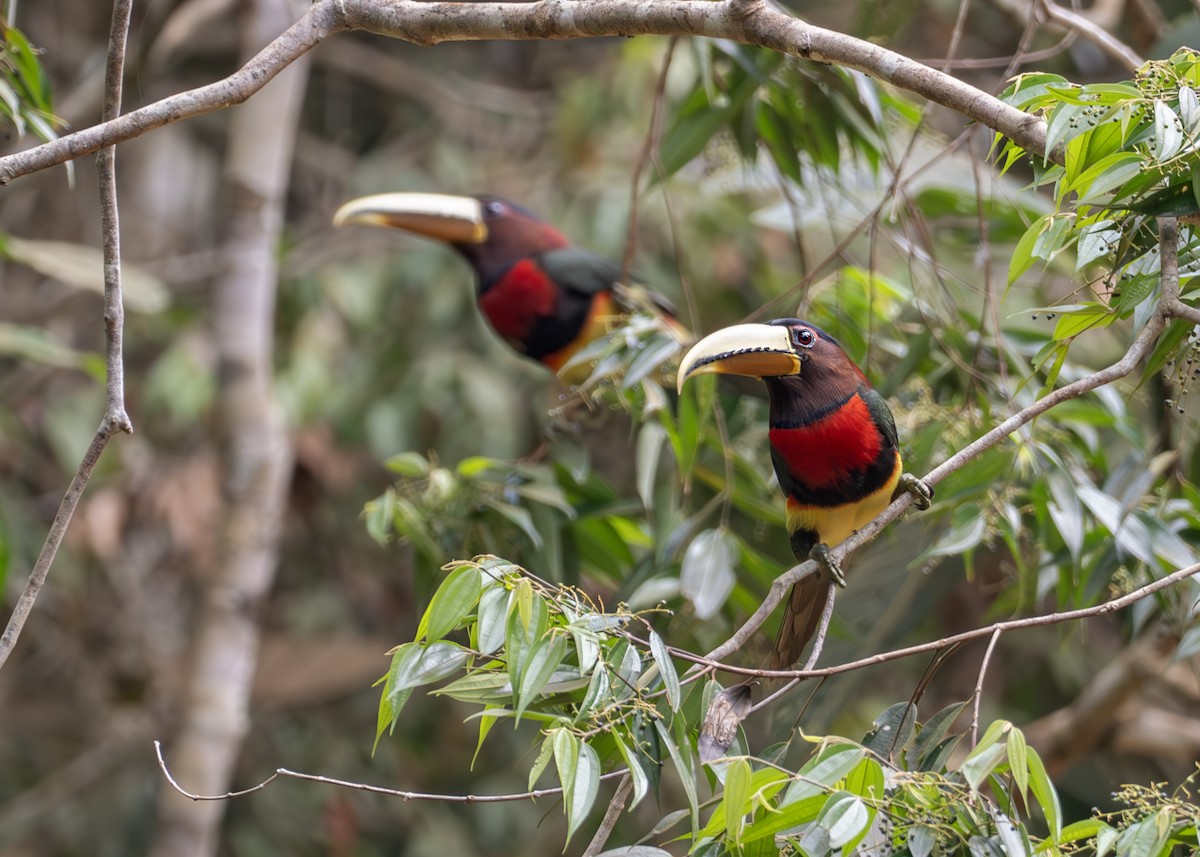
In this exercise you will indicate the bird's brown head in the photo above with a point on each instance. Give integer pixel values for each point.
(783, 348)
(802, 365)
(490, 232)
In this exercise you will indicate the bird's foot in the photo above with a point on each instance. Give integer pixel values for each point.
(821, 556)
(921, 490)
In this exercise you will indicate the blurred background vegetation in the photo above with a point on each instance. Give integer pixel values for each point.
(773, 184)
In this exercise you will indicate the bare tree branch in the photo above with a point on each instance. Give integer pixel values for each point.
(977, 696)
(115, 418)
(1094, 33)
(747, 21)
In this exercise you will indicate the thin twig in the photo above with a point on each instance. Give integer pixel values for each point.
(933, 645)
(284, 773)
(610, 817)
(648, 144)
(1095, 34)
(822, 628)
(115, 418)
(978, 697)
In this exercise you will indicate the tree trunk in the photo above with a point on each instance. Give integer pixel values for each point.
(255, 453)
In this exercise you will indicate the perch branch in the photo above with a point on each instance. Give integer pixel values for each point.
(746, 21)
(966, 636)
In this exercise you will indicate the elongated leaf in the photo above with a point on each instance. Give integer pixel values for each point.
(892, 730)
(454, 599)
(637, 774)
(707, 577)
(649, 445)
(670, 678)
(543, 759)
(1043, 790)
(493, 610)
(687, 776)
(845, 817)
(1018, 763)
(921, 840)
(578, 800)
(543, 661)
(791, 816)
(737, 796)
(432, 663)
(822, 771)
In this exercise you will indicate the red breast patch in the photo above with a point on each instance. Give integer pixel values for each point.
(824, 452)
(518, 299)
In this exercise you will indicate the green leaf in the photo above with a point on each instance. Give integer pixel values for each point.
(640, 782)
(931, 734)
(789, 816)
(737, 796)
(1017, 761)
(1106, 176)
(1047, 797)
(486, 722)
(493, 612)
(687, 776)
(543, 661)
(846, 818)
(566, 757)
(517, 515)
(980, 763)
(578, 799)
(543, 759)
(1168, 132)
(706, 577)
(823, 770)
(1096, 240)
(410, 464)
(649, 445)
(892, 730)
(432, 662)
(1022, 256)
(454, 599)
(921, 840)
(658, 649)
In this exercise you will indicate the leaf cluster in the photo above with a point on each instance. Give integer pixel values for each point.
(26, 103)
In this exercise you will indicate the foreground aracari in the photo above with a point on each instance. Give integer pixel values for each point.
(544, 296)
(833, 445)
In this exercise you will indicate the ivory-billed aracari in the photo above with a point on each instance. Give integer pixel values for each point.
(544, 296)
(833, 446)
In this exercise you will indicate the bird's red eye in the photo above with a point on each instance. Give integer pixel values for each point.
(804, 337)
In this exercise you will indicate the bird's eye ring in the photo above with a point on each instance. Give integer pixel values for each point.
(493, 208)
(804, 337)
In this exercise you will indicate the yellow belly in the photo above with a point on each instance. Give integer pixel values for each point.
(834, 524)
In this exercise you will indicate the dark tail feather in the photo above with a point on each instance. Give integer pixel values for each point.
(800, 620)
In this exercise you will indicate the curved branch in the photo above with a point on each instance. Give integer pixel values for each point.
(747, 21)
